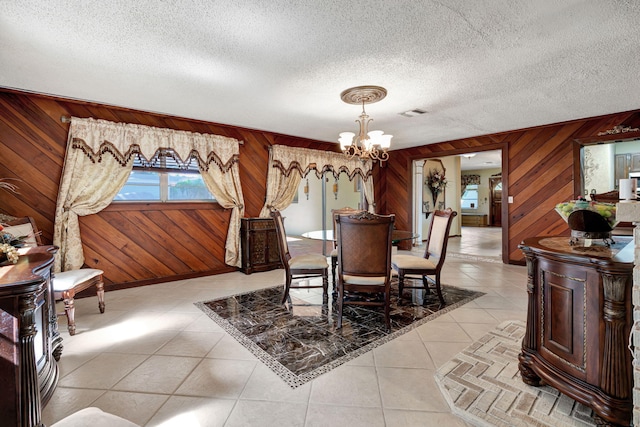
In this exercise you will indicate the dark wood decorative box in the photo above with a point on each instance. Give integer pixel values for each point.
(259, 242)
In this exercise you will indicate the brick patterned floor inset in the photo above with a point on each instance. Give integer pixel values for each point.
(482, 385)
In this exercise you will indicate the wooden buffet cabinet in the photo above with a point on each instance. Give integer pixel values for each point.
(30, 344)
(259, 241)
(579, 317)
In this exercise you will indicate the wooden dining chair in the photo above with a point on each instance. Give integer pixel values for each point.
(304, 266)
(434, 255)
(364, 261)
(334, 251)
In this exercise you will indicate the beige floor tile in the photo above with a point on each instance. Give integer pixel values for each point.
(332, 415)
(400, 418)
(478, 330)
(443, 332)
(135, 407)
(72, 361)
(147, 343)
(65, 401)
(264, 384)
(503, 315)
(103, 371)
(410, 389)
(365, 359)
(229, 348)
(347, 385)
(195, 344)
(441, 352)
(472, 315)
(203, 324)
(175, 320)
(183, 411)
(403, 354)
(218, 378)
(267, 414)
(158, 374)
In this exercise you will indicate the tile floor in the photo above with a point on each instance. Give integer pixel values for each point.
(157, 360)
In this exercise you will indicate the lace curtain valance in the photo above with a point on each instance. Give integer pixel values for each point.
(99, 159)
(470, 179)
(124, 140)
(305, 160)
(288, 165)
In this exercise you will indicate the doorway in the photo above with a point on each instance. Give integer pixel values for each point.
(495, 200)
(481, 172)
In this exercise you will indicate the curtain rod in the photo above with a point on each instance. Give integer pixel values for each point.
(67, 119)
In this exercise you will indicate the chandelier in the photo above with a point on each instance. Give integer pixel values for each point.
(366, 145)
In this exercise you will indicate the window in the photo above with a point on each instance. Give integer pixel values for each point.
(470, 197)
(164, 179)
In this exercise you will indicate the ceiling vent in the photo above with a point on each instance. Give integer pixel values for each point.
(413, 113)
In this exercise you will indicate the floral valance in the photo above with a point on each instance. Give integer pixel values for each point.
(304, 160)
(97, 137)
(470, 180)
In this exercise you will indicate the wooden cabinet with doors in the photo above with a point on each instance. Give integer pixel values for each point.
(579, 317)
(625, 163)
(259, 241)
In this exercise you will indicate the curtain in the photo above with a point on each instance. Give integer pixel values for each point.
(288, 165)
(99, 159)
(469, 179)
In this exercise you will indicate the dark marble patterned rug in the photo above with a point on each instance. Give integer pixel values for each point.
(299, 340)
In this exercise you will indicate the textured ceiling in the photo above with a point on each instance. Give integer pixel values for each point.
(476, 67)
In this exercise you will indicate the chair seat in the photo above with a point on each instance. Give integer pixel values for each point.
(363, 280)
(70, 279)
(410, 262)
(308, 262)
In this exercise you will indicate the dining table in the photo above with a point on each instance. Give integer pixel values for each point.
(397, 236)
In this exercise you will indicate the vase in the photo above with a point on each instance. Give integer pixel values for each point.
(434, 194)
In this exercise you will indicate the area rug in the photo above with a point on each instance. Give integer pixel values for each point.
(300, 341)
(483, 386)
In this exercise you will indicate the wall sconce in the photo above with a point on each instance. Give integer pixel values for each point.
(306, 189)
(335, 189)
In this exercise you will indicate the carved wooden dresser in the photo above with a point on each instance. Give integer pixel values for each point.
(578, 322)
(30, 342)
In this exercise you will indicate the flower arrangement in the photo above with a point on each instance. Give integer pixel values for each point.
(10, 252)
(9, 244)
(436, 182)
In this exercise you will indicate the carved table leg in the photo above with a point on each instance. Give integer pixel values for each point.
(529, 341)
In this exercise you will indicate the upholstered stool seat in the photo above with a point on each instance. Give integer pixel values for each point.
(68, 283)
(93, 417)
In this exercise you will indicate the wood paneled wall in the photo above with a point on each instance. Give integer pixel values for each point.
(539, 171)
(133, 244)
(150, 242)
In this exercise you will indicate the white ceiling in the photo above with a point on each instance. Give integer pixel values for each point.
(477, 67)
